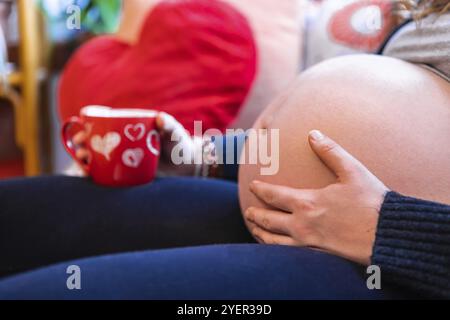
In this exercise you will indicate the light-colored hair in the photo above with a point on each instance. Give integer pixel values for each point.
(421, 9)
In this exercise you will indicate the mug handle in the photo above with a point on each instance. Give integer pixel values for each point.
(67, 139)
(150, 145)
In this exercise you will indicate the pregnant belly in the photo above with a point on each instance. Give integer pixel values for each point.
(397, 125)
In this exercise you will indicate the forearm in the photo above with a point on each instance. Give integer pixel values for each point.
(412, 245)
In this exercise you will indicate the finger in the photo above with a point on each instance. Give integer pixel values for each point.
(336, 158)
(160, 123)
(270, 220)
(167, 123)
(272, 238)
(279, 197)
(80, 138)
(83, 154)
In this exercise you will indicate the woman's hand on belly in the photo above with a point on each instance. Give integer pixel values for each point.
(340, 218)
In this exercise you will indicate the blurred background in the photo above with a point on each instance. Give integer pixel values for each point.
(38, 37)
(35, 44)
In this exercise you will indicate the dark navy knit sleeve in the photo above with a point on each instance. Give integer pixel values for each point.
(228, 151)
(412, 246)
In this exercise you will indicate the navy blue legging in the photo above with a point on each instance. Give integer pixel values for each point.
(121, 239)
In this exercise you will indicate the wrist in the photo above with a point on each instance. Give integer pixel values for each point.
(209, 165)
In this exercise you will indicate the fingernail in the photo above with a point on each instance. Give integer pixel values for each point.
(316, 135)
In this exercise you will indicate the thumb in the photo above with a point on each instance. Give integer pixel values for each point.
(338, 160)
(176, 133)
(167, 124)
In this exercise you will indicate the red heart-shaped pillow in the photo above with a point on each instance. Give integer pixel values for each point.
(195, 59)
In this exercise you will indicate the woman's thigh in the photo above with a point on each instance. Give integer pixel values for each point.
(392, 115)
(51, 219)
(210, 272)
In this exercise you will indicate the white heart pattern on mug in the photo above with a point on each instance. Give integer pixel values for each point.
(105, 145)
(134, 132)
(133, 157)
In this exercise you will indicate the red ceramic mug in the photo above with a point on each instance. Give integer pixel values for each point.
(123, 143)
